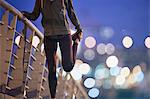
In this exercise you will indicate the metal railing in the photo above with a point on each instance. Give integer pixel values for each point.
(23, 71)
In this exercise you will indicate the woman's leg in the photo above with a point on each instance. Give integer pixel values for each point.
(67, 53)
(50, 46)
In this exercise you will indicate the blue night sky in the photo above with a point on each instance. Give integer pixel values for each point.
(125, 17)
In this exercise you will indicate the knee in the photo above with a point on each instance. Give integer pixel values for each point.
(68, 68)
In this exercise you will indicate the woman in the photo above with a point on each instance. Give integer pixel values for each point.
(56, 29)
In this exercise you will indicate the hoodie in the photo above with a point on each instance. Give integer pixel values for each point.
(54, 16)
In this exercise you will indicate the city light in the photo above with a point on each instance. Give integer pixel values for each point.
(120, 80)
(101, 48)
(90, 42)
(106, 32)
(84, 68)
(98, 83)
(147, 42)
(102, 73)
(127, 42)
(136, 69)
(125, 71)
(139, 77)
(110, 48)
(114, 71)
(78, 63)
(112, 61)
(89, 54)
(138, 74)
(107, 84)
(94, 92)
(100, 66)
(131, 79)
(89, 83)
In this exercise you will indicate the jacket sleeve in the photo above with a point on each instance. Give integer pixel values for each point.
(35, 13)
(71, 14)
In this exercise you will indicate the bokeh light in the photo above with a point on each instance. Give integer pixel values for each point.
(94, 92)
(100, 66)
(136, 69)
(84, 68)
(112, 61)
(114, 71)
(120, 80)
(78, 63)
(106, 32)
(89, 54)
(139, 77)
(138, 73)
(131, 79)
(147, 42)
(102, 73)
(110, 48)
(127, 42)
(89, 83)
(90, 42)
(101, 48)
(125, 71)
(98, 83)
(17, 40)
(107, 84)
(35, 41)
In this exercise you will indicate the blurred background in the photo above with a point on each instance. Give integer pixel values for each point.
(113, 60)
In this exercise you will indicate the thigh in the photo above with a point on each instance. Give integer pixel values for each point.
(66, 51)
(50, 47)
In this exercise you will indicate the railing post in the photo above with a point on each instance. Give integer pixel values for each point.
(27, 60)
(3, 58)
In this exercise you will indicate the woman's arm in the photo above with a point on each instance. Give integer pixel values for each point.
(72, 15)
(35, 13)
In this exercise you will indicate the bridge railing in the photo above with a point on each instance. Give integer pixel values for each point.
(23, 70)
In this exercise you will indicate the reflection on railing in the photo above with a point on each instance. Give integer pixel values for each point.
(23, 71)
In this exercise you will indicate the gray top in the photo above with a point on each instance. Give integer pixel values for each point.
(54, 18)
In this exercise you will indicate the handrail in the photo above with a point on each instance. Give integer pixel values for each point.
(21, 17)
(27, 82)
